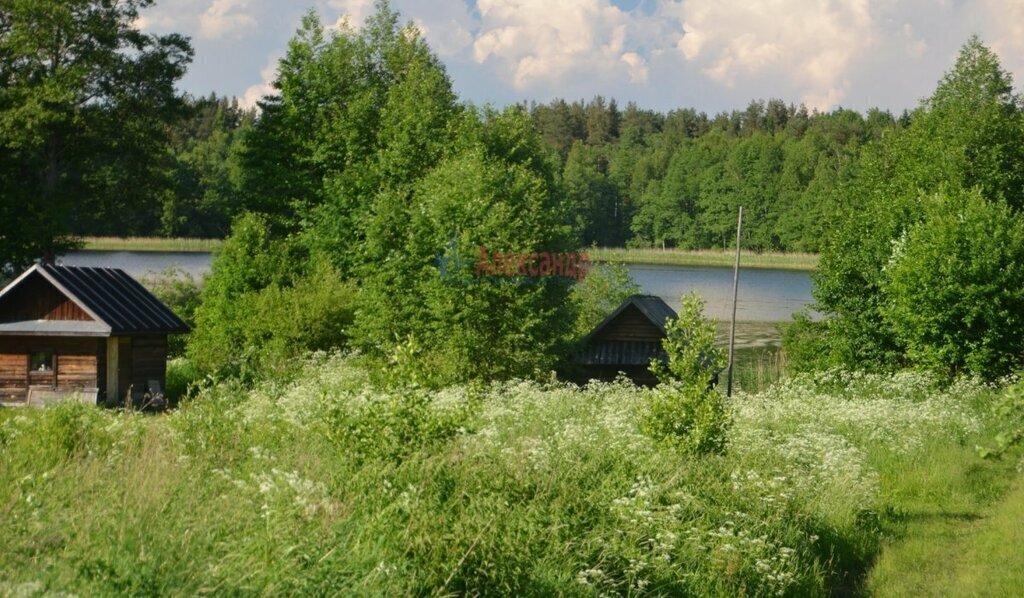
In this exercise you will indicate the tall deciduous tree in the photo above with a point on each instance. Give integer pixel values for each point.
(84, 100)
(968, 136)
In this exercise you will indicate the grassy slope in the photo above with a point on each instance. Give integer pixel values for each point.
(151, 244)
(962, 534)
(705, 257)
(327, 486)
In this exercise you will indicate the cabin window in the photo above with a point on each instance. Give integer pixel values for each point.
(41, 362)
(42, 367)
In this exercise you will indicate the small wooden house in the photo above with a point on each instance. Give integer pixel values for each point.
(626, 341)
(93, 334)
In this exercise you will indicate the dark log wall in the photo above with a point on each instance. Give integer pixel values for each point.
(77, 363)
(149, 362)
(630, 325)
(36, 299)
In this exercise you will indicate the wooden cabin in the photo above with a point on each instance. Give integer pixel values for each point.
(89, 334)
(626, 341)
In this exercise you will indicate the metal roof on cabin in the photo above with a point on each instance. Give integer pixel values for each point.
(614, 353)
(112, 297)
(621, 353)
(652, 307)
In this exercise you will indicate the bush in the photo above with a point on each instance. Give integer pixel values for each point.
(686, 410)
(181, 292)
(266, 301)
(953, 290)
(690, 416)
(1008, 412)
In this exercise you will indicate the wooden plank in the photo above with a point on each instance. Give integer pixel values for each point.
(111, 378)
(36, 299)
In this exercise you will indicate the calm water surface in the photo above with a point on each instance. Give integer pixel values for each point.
(142, 263)
(766, 297)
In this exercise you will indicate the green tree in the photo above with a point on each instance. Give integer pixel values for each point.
(423, 303)
(85, 100)
(207, 171)
(266, 301)
(953, 287)
(968, 135)
(605, 287)
(685, 409)
(592, 199)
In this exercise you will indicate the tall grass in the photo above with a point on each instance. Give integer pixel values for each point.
(152, 244)
(705, 257)
(326, 485)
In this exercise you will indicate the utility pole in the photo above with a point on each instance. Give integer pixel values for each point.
(735, 293)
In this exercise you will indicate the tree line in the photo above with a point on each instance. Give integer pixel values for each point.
(630, 177)
(97, 143)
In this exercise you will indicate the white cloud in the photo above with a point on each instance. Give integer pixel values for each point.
(806, 45)
(538, 42)
(712, 54)
(637, 67)
(1003, 23)
(226, 18)
(354, 11)
(446, 37)
(255, 93)
(916, 47)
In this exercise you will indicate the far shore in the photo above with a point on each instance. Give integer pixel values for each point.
(177, 244)
(705, 257)
(668, 257)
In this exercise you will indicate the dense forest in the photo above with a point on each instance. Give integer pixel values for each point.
(121, 154)
(627, 177)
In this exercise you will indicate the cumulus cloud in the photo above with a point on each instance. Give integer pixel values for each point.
(354, 12)
(806, 44)
(1003, 23)
(715, 54)
(226, 18)
(537, 42)
(255, 93)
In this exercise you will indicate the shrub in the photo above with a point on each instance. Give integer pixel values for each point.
(686, 410)
(1008, 413)
(690, 416)
(266, 302)
(181, 292)
(953, 290)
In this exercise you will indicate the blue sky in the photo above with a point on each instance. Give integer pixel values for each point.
(709, 54)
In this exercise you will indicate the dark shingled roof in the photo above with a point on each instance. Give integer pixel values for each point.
(110, 296)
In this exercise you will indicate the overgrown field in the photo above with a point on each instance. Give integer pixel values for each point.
(325, 486)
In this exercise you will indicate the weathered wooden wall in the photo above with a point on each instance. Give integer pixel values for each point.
(36, 299)
(13, 376)
(77, 361)
(630, 325)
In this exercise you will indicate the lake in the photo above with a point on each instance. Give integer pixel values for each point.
(765, 296)
(142, 263)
